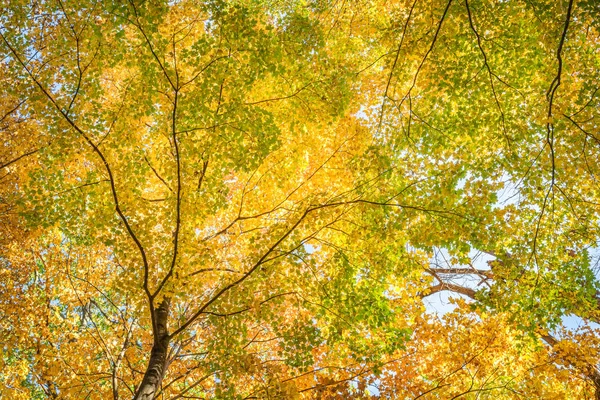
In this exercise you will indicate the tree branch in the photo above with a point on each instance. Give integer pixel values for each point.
(106, 166)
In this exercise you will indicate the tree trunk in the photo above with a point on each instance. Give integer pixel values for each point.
(153, 377)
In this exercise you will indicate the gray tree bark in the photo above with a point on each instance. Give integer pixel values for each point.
(153, 377)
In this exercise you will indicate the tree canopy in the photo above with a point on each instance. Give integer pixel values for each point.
(258, 199)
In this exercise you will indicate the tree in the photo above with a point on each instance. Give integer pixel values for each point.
(243, 199)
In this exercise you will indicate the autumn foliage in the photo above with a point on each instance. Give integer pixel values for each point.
(265, 199)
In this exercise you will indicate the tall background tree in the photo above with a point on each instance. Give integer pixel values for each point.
(251, 199)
